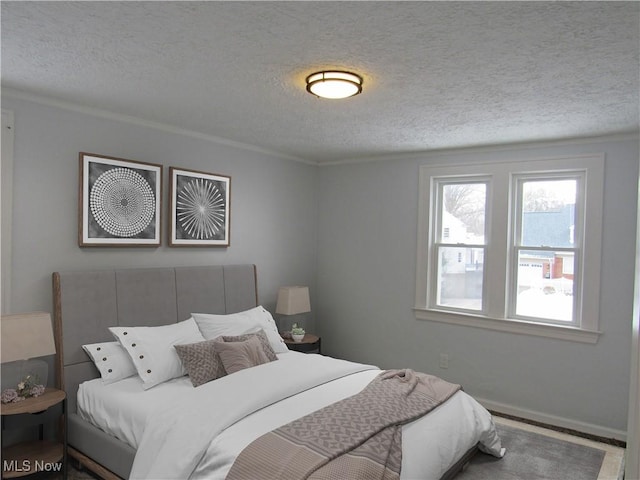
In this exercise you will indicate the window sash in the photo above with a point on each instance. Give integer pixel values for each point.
(442, 234)
(519, 180)
(436, 298)
(575, 297)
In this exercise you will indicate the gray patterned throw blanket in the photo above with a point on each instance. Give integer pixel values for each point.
(359, 437)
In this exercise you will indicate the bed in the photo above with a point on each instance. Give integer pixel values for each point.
(146, 426)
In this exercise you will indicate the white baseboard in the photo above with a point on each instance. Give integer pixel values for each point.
(553, 420)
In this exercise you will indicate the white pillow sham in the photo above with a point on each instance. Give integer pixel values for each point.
(151, 349)
(213, 326)
(112, 361)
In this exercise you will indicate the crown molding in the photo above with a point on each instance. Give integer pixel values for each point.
(440, 152)
(97, 112)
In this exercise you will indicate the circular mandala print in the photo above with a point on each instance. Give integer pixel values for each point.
(122, 202)
(200, 209)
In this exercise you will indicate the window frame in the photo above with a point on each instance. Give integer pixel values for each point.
(516, 245)
(499, 229)
(437, 242)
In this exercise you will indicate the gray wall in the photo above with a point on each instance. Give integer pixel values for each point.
(273, 203)
(367, 240)
(357, 253)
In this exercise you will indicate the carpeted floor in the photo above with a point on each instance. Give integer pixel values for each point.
(533, 453)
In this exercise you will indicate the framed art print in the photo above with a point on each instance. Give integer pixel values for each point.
(120, 202)
(200, 208)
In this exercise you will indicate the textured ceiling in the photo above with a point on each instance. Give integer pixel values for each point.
(436, 74)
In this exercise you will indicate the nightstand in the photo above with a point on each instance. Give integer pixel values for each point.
(38, 455)
(309, 344)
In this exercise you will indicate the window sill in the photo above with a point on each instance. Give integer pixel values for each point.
(561, 332)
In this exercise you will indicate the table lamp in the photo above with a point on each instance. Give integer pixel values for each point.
(293, 301)
(25, 337)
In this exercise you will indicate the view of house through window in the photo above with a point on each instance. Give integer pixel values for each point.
(546, 249)
(461, 246)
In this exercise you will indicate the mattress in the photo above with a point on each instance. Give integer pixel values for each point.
(128, 412)
(121, 409)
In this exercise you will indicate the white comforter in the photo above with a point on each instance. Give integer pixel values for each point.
(188, 432)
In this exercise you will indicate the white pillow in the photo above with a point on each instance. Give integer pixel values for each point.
(151, 349)
(212, 326)
(112, 361)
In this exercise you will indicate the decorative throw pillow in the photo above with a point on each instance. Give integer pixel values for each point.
(151, 349)
(112, 361)
(237, 356)
(213, 326)
(201, 361)
(264, 341)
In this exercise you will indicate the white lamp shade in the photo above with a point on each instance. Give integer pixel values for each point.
(293, 300)
(26, 335)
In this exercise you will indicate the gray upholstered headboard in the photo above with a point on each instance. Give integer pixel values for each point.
(87, 303)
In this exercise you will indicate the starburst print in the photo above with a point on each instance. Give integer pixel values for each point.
(200, 209)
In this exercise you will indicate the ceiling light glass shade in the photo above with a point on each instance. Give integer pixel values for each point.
(334, 84)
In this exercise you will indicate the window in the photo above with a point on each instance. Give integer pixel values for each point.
(544, 248)
(512, 246)
(460, 249)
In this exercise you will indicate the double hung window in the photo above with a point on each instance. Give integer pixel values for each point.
(459, 245)
(512, 246)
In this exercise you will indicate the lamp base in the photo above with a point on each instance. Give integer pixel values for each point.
(285, 323)
(14, 372)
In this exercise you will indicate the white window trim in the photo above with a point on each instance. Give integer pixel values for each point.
(497, 237)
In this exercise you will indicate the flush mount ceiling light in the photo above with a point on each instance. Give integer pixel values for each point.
(334, 84)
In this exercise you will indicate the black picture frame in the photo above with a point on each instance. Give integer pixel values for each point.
(120, 202)
(200, 212)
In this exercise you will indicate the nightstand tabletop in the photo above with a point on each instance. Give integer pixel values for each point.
(308, 338)
(309, 344)
(50, 397)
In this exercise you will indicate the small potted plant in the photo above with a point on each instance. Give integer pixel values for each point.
(297, 333)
